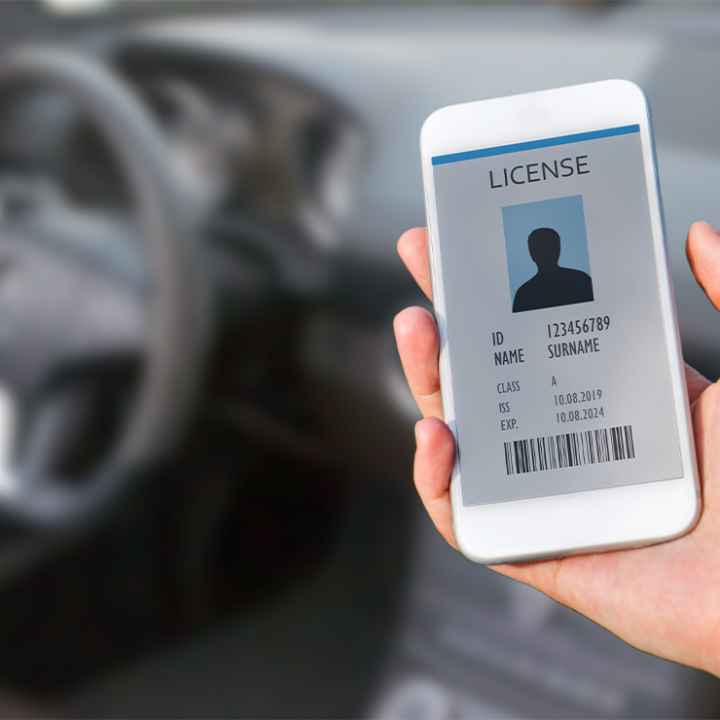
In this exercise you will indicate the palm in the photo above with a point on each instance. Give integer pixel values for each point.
(660, 599)
(655, 598)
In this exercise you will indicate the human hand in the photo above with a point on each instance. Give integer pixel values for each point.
(663, 599)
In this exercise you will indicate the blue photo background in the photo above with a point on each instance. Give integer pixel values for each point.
(565, 215)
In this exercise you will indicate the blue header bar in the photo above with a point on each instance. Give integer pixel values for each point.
(535, 144)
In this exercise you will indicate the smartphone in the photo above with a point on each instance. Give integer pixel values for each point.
(561, 368)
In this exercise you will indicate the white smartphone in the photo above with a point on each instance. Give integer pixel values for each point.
(561, 368)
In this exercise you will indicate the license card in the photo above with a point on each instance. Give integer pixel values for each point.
(560, 369)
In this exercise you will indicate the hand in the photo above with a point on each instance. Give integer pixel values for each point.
(663, 599)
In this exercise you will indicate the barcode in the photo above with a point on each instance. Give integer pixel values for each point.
(552, 452)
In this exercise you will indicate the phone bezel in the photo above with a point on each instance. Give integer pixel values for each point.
(557, 525)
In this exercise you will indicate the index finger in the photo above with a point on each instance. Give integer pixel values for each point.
(413, 250)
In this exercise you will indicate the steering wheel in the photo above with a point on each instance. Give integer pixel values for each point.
(63, 304)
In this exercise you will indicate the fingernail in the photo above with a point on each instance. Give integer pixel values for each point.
(711, 226)
(417, 431)
(396, 324)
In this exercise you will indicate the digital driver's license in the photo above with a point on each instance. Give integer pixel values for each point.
(561, 378)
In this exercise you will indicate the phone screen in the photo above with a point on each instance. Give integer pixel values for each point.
(560, 368)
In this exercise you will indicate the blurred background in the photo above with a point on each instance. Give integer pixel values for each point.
(205, 496)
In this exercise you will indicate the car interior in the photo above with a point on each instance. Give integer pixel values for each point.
(206, 503)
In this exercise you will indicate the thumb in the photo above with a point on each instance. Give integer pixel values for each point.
(703, 252)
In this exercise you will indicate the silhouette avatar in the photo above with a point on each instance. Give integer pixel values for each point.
(552, 285)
